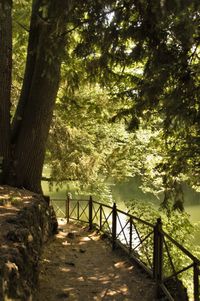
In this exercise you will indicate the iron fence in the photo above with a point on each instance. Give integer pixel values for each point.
(148, 244)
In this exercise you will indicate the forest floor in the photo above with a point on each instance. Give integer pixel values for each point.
(78, 265)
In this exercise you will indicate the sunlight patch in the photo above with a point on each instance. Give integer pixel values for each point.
(66, 243)
(66, 270)
(119, 264)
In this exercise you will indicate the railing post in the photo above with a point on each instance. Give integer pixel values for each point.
(130, 234)
(67, 204)
(78, 210)
(158, 255)
(1, 168)
(196, 274)
(100, 218)
(47, 199)
(90, 213)
(114, 226)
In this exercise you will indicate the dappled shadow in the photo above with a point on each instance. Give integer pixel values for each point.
(12, 200)
(78, 265)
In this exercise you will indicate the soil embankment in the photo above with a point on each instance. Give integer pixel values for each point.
(27, 221)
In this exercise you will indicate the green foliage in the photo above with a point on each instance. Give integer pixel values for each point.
(141, 210)
(84, 146)
(179, 227)
(147, 55)
(127, 65)
(21, 19)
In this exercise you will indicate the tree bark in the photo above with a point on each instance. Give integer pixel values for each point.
(5, 84)
(41, 81)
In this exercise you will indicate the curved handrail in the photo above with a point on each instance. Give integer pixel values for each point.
(148, 250)
(183, 249)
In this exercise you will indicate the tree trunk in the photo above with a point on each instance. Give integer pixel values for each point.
(34, 114)
(5, 84)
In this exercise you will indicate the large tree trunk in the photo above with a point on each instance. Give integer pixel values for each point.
(5, 83)
(34, 114)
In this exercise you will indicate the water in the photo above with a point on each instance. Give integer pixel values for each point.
(193, 210)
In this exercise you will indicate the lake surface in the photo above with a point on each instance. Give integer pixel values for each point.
(194, 212)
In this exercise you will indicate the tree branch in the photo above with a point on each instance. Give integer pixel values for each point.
(46, 179)
(22, 26)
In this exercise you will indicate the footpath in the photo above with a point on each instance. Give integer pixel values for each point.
(78, 265)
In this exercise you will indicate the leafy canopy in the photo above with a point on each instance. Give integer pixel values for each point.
(128, 65)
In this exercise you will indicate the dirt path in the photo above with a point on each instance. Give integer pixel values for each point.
(78, 265)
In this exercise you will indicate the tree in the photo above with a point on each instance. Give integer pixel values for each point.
(136, 49)
(5, 82)
(150, 53)
(23, 157)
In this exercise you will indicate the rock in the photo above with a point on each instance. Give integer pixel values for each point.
(177, 289)
(71, 235)
(70, 263)
(82, 250)
(63, 295)
(60, 229)
(2, 202)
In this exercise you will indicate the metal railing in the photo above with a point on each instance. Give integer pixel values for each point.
(150, 246)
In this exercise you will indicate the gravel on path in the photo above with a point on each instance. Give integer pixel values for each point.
(77, 265)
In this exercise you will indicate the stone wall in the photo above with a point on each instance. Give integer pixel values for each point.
(26, 222)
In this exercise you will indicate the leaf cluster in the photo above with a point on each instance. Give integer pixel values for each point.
(127, 65)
